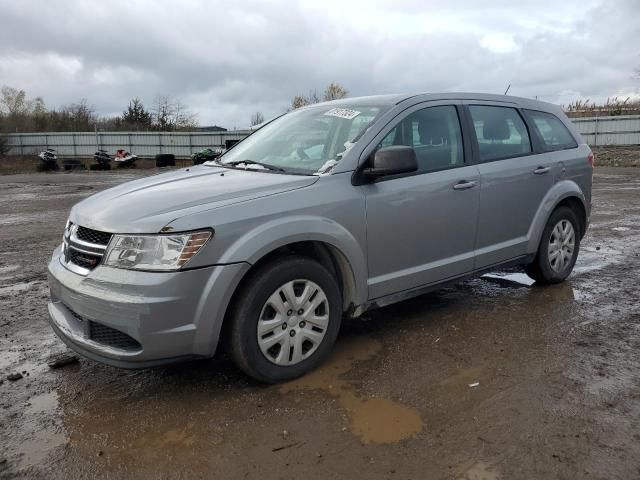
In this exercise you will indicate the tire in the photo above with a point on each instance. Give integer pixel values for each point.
(254, 308)
(545, 269)
(165, 160)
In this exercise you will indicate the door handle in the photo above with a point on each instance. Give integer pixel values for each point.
(464, 185)
(541, 170)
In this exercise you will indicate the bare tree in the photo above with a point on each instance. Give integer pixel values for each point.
(14, 108)
(39, 114)
(184, 119)
(170, 114)
(80, 116)
(162, 113)
(13, 101)
(257, 118)
(334, 91)
(304, 100)
(299, 101)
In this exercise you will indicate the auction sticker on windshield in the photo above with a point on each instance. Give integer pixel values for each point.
(343, 113)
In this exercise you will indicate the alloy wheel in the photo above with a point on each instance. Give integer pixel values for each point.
(561, 245)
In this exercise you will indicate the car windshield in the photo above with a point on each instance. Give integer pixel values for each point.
(306, 141)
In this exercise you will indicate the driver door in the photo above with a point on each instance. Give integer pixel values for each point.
(421, 226)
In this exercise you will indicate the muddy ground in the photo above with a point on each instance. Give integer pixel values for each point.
(491, 379)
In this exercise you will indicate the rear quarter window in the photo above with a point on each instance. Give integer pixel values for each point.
(553, 133)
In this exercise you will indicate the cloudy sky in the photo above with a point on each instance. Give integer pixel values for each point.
(227, 59)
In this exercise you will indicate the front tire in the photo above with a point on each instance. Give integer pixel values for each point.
(285, 320)
(558, 249)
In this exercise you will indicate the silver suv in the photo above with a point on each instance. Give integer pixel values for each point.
(320, 214)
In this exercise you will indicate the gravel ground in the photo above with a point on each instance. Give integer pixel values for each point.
(494, 378)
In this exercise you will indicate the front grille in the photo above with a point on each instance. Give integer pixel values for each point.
(114, 338)
(84, 260)
(93, 236)
(84, 248)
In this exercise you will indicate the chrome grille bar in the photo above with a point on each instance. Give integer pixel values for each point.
(81, 256)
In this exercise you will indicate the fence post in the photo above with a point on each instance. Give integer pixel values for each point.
(20, 143)
(73, 140)
(190, 143)
(130, 144)
(46, 141)
(595, 133)
(159, 143)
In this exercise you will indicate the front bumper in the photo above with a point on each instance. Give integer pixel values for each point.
(169, 316)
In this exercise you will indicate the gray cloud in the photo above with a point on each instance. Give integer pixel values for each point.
(228, 59)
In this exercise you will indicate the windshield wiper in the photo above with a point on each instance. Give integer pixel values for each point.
(251, 162)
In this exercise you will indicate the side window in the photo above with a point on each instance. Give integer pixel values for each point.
(552, 131)
(500, 131)
(434, 133)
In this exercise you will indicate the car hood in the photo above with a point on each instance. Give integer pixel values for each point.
(148, 204)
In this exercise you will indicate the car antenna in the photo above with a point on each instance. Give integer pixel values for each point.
(505, 92)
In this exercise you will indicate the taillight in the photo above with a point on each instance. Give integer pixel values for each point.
(591, 159)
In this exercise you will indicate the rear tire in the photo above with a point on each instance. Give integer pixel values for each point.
(295, 335)
(558, 249)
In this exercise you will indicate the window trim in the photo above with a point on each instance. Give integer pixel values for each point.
(472, 131)
(543, 146)
(467, 157)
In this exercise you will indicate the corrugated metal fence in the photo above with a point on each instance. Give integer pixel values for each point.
(618, 130)
(143, 144)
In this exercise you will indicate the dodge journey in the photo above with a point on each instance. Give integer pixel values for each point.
(317, 216)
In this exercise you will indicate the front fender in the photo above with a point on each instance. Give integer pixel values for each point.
(278, 232)
(557, 193)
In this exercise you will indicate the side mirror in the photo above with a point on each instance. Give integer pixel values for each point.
(392, 161)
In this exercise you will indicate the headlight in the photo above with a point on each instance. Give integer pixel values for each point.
(154, 252)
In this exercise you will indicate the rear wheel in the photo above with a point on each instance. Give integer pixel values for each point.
(285, 320)
(558, 249)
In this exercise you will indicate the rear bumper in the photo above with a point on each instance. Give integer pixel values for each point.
(165, 316)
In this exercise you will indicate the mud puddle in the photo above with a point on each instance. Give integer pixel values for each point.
(373, 420)
(41, 429)
(481, 471)
(596, 258)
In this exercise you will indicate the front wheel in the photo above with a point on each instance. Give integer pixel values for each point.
(285, 320)
(558, 250)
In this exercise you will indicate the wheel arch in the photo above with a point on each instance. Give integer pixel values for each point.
(579, 208)
(564, 193)
(329, 256)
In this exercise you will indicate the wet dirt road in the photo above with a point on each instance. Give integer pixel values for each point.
(491, 379)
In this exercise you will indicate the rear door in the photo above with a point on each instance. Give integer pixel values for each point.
(514, 180)
(421, 226)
